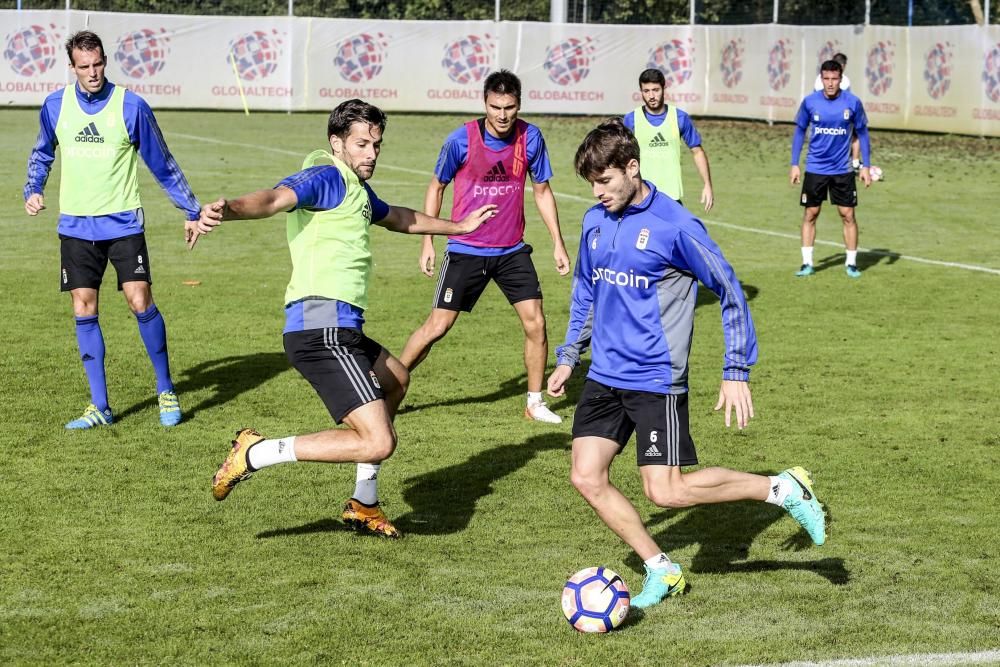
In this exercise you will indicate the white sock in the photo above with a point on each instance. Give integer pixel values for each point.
(780, 488)
(272, 452)
(534, 397)
(807, 255)
(366, 483)
(852, 258)
(658, 562)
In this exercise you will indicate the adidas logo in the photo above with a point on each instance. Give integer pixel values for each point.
(497, 174)
(659, 141)
(653, 451)
(90, 135)
(140, 270)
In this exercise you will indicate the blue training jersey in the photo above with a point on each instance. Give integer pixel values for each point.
(322, 188)
(145, 135)
(832, 122)
(454, 153)
(634, 293)
(685, 125)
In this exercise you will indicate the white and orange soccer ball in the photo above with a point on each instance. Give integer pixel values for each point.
(876, 173)
(595, 599)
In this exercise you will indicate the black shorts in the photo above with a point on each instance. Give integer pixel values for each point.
(84, 262)
(340, 365)
(463, 278)
(843, 189)
(660, 422)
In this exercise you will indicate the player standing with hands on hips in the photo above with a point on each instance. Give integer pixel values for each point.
(634, 293)
(101, 128)
(330, 209)
(835, 115)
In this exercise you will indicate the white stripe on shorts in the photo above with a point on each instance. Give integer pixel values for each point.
(350, 365)
(673, 443)
(441, 272)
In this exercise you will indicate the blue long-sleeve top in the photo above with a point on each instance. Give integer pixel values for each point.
(833, 121)
(145, 135)
(634, 293)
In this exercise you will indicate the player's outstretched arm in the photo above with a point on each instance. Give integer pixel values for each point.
(253, 206)
(545, 200)
(433, 199)
(735, 395)
(407, 221)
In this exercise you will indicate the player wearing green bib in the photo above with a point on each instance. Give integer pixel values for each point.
(659, 130)
(100, 130)
(330, 212)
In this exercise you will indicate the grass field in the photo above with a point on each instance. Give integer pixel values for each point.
(112, 550)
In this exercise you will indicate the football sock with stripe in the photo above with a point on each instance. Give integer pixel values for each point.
(780, 488)
(272, 452)
(154, 335)
(658, 562)
(90, 339)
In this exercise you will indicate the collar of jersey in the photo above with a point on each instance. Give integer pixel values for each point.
(632, 209)
(101, 95)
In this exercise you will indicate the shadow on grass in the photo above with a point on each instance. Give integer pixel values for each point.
(321, 526)
(724, 534)
(228, 377)
(444, 500)
(866, 259)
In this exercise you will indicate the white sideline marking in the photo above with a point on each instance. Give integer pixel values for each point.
(981, 657)
(586, 200)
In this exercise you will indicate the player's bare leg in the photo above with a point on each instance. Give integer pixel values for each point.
(536, 351)
(434, 328)
(808, 234)
(850, 240)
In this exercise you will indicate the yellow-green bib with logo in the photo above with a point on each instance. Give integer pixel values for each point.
(331, 253)
(660, 152)
(99, 164)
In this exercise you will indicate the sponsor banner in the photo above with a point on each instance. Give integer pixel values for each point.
(942, 79)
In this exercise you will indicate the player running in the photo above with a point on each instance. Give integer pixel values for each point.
(489, 159)
(834, 115)
(634, 291)
(330, 209)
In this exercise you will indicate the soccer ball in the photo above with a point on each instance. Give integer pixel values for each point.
(876, 173)
(595, 599)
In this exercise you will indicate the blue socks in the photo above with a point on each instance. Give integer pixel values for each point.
(91, 343)
(154, 335)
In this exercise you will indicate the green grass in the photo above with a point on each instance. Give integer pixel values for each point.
(112, 550)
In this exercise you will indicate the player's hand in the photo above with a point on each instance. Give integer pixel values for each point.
(191, 233)
(562, 260)
(557, 381)
(866, 176)
(471, 222)
(736, 394)
(794, 175)
(427, 257)
(34, 204)
(707, 197)
(211, 216)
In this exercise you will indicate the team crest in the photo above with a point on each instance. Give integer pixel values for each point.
(374, 379)
(447, 295)
(847, 114)
(815, 117)
(804, 199)
(643, 239)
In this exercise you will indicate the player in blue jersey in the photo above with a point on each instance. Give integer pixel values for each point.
(659, 132)
(489, 159)
(634, 292)
(833, 115)
(100, 128)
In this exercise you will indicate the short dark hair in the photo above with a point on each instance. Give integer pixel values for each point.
(610, 145)
(503, 82)
(85, 41)
(350, 112)
(831, 66)
(652, 75)
(840, 58)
